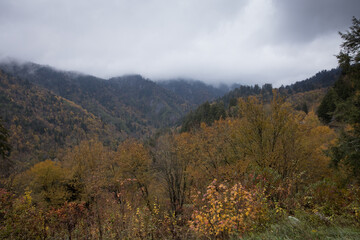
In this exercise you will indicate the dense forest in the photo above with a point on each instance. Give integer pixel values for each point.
(133, 104)
(84, 158)
(193, 91)
(304, 95)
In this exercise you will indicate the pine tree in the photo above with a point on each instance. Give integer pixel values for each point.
(5, 149)
(346, 152)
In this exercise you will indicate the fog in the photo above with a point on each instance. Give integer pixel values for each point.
(248, 42)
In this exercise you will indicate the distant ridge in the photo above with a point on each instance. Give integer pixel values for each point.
(303, 95)
(195, 92)
(130, 103)
(41, 122)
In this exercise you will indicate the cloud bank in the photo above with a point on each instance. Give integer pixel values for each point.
(245, 41)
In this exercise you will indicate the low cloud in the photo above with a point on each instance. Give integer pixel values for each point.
(249, 42)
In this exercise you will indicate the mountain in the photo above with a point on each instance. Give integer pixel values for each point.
(130, 103)
(41, 122)
(322, 79)
(304, 95)
(159, 106)
(137, 106)
(195, 92)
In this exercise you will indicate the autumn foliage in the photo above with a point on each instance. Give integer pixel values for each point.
(224, 211)
(222, 181)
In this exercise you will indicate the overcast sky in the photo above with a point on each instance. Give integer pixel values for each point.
(244, 41)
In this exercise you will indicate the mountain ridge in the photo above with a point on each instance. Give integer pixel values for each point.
(139, 106)
(118, 101)
(41, 122)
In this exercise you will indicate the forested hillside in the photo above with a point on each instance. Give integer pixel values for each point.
(195, 92)
(304, 95)
(41, 123)
(130, 103)
(158, 106)
(322, 79)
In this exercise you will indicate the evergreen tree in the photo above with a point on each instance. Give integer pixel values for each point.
(327, 106)
(4, 145)
(349, 53)
(305, 108)
(5, 148)
(347, 108)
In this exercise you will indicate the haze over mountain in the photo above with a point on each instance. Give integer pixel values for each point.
(135, 106)
(249, 41)
(193, 91)
(131, 103)
(138, 106)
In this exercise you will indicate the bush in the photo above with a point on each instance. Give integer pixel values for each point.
(228, 211)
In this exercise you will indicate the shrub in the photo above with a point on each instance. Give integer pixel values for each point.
(227, 211)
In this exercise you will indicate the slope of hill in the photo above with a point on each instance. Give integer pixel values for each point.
(304, 95)
(322, 79)
(195, 92)
(307, 101)
(40, 122)
(139, 106)
(131, 103)
(158, 106)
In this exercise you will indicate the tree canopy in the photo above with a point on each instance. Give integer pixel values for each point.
(349, 53)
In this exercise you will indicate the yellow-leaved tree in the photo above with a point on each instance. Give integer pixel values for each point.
(275, 136)
(47, 182)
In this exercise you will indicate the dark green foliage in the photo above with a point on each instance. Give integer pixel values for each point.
(304, 108)
(322, 79)
(266, 92)
(344, 88)
(5, 147)
(195, 92)
(342, 104)
(205, 113)
(339, 101)
(232, 102)
(131, 103)
(349, 53)
(347, 152)
(327, 106)
(244, 91)
(150, 104)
